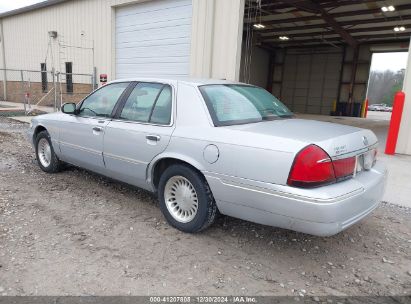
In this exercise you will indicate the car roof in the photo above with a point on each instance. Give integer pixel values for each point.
(190, 81)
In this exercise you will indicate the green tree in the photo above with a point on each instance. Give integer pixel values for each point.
(383, 85)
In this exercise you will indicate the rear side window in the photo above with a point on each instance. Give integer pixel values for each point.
(162, 110)
(149, 103)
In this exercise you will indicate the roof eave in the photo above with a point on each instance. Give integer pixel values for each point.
(30, 8)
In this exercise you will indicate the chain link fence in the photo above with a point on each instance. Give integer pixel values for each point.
(44, 88)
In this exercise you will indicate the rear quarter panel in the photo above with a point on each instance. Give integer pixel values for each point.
(236, 156)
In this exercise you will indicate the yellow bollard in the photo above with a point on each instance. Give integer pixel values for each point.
(364, 108)
(334, 105)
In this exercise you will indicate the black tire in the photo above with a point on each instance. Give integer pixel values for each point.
(207, 208)
(55, 164)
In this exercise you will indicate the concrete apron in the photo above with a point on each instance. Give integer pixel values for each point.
(13, 106)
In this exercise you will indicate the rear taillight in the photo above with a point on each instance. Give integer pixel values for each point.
(313, 167)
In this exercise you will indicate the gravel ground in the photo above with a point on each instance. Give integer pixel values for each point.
(76, 233)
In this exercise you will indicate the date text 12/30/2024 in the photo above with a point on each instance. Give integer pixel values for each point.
(203, 299)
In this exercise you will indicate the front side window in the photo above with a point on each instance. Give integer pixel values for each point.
(149, 103)
(101, 103)
(239, 104)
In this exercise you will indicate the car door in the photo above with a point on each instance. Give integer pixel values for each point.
(81, 136)
(140, 130)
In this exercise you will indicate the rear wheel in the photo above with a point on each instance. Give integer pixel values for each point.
(186, 199)
(46, 158)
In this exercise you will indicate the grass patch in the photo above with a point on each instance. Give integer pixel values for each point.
(20, 113)
(12, 113)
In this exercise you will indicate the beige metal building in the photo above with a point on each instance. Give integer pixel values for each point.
(166, 37)
(311, 54)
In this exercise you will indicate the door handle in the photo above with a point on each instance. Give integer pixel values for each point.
(153, 137)
(97, 129)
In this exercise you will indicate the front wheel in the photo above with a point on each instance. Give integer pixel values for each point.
(186, 199)
(46, 158)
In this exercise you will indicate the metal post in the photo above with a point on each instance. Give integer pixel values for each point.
(4, 84)
(3, 61)
(28, 95)
(354, 66)
(94, 68)
(60, 90)
(22, 90)
(340, 81)
(53, 72)
(94, 79)
(271, 67)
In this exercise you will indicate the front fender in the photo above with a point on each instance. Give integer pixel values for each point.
(30, 132)
(51, 127)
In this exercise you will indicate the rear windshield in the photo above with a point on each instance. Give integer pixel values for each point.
(240, 104)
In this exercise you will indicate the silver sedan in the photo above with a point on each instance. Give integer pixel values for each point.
(209, 146)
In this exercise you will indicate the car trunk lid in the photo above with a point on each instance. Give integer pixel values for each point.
(337, 140)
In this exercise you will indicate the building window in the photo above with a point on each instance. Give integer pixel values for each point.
(69, 77)
(44, 82)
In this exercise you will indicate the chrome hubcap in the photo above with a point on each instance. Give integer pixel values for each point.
(44, 152)
(181, 199)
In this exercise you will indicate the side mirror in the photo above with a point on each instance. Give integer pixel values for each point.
(69, 108)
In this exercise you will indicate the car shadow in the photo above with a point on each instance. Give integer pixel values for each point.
(244, 233)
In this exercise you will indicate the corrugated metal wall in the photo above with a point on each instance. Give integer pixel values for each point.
(215, 47)
(27, 41)
(309, 81)
(216, 38)
(259, 67)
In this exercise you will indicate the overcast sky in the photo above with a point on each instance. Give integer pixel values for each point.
(384, 61)
(8, 5)
(389, 61)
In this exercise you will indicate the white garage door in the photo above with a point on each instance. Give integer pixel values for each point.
(153, 39)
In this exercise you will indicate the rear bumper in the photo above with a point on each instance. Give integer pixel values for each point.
(323, 211)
